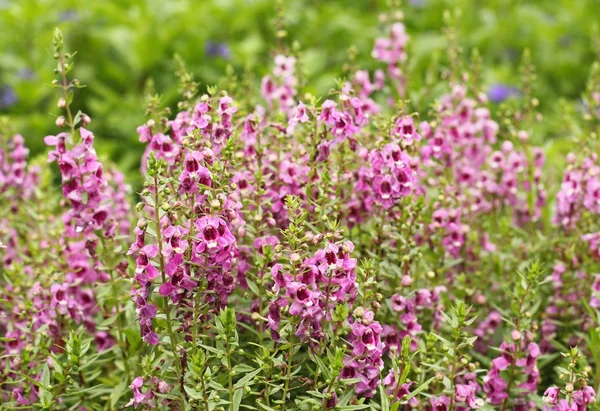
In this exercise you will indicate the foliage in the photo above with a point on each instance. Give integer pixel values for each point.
(377, 234)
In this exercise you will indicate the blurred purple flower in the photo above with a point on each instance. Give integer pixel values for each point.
(214, 49)
(418, 3)
(68, 15)
(500, 92)
(8, 97)
(25, 73)
(566, 40)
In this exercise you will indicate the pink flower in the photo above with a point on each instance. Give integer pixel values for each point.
(213, 235)
(303, 299)
(405, 128)
(551, 395)
(441, 403)
(329, 114)
(367, 338)
(465, 393)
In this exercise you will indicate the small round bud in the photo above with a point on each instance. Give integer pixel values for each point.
(359, 312)
(523, 135)
(85, 119)
(142, 223)
(62, 103)
(60, 121)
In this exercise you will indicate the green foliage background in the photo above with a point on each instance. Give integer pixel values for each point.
(124, 43)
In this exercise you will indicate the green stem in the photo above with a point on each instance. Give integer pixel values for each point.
(229, 369)
(65, 88)
(120, 325)
(453, 376)
(288, 372)
(164, 280)
(204, 396)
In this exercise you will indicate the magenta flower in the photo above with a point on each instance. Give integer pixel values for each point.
(367, 338)
(465, 393)
(213, 235)
(303, 299)
(405, 129)
(441, 403)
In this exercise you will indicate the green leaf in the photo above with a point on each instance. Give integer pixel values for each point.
(385, 403)
(237, 399)
(134, 340)
(324, 369)
(351, 381)
(45, 398)
(212, 349)
(263, 406)
(45, 378)
(443, 340)
(117, 392)
(242, 368)
(193, 393)
(419, 389)
(79, 392)
(253, 287)
(246, 379)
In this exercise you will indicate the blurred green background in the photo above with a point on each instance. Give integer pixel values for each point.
(124, 43)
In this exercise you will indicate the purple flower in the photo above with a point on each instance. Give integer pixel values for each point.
(8, 97)
(500, 92)
(216, 49)
(103, 340)
(25, 73)
(441, 403)
(213, 235)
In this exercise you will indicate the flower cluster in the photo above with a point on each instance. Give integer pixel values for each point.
(520, 355)
(279, 90)
(579, 191)
(392, 50)
(15, 174)
(326, 279)
(365, 361)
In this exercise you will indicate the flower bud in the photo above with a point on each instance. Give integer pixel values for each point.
(359, 312)
(85, 119)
